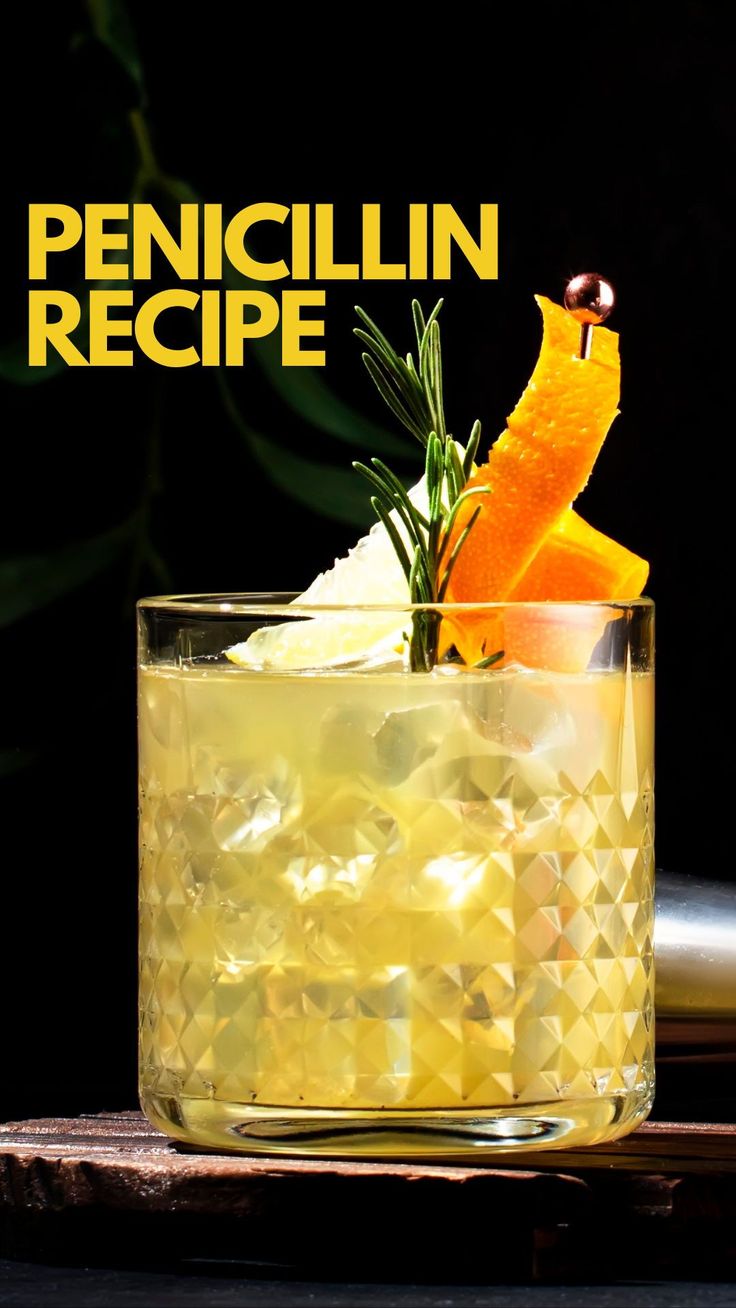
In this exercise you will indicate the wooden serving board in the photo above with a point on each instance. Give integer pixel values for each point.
(111, 1188)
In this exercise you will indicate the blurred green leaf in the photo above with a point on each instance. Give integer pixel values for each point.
(333, 492)
(112, 26)
(14, 760)
(308, 395)
(336, 493)
(30, 582)
(14, 365)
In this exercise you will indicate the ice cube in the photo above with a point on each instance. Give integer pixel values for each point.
(162, 711)
(347, 740)
(534, 708)
(409, 737)
(259, 805)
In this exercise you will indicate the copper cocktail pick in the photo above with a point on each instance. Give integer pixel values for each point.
(589, 298)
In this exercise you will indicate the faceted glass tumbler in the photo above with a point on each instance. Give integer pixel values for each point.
(395, 913)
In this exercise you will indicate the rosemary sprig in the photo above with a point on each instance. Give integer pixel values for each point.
(414, 393)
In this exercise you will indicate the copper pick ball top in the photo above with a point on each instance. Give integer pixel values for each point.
(590, 299)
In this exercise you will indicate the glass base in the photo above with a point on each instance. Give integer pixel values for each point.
(337, 1133)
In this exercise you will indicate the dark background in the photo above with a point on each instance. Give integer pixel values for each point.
(608, 145)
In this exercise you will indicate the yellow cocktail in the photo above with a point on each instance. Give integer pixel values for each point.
(397, 834)
(371, 898)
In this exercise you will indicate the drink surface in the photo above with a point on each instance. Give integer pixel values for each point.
(386, 890)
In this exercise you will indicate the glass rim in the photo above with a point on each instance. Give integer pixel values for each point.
(278, 603)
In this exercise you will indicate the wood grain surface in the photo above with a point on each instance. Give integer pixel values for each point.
(112, 1188)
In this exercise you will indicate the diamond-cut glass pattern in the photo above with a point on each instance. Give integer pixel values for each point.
(394, 891)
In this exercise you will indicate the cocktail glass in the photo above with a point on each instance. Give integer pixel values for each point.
(388, 912)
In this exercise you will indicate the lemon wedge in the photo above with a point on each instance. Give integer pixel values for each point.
(369, 574)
